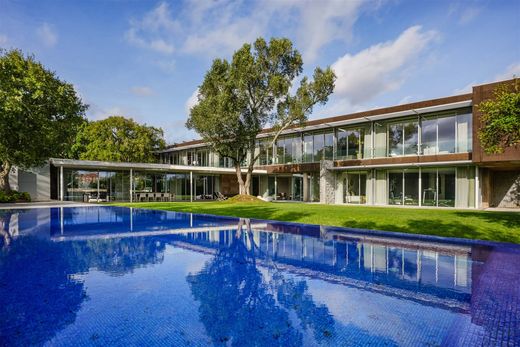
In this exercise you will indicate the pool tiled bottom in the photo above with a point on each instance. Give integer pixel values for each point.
(107, 276)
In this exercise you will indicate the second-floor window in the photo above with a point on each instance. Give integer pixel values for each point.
(403, 138)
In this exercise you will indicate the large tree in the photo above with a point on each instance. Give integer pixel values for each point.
(39, 114)
(238, 99)
(500, 120)
(118, 139)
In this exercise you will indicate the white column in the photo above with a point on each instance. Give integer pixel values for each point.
(477, 195)
(61, 184)
(131, 185)
(191, 186)
(420, 186)
(275, 188)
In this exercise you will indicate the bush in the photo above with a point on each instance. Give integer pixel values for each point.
(14, 196)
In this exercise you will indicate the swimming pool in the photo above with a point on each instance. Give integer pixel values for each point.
(120, 276)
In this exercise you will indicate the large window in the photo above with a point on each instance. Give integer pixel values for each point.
(355, 188)
(96, 186)
(351, 143)
(288, 150)
(319, 145)
(438, 187)
(403, 187)
(307, 148)
(403, 138)
(266, 152)
(446, 134)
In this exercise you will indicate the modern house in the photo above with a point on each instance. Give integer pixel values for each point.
(424, 153)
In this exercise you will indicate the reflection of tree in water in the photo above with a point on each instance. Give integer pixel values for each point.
(38, 295)
(117, 256)
(238, 305)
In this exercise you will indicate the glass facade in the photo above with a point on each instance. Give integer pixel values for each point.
(446, 134)
(427, 134)
(96, 186)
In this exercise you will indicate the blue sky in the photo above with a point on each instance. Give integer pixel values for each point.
(145, 59)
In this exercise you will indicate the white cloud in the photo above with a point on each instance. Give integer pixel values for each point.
(381, 67)
(47, 35)
(192, 101)
(217, 28)
(142, 91)
(325, 21)
(468, 88)
(154, 31)
(3, 39)
(511, 71)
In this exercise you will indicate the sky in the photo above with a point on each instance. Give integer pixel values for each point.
(145, 59)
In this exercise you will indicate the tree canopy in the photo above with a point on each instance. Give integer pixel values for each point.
(500, 120)
(119, 139)
(39, 113)
(238, 99)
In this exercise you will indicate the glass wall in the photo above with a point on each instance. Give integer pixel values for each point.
(266, 152)
(446, 134)
(96, 186)
(403, 138)
(352, 143)
(423, 135)
(289, 150)
(159, 186)
(355, 184)
(403, 187)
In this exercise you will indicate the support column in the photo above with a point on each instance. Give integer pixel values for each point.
(305, 187)
(191, 186)
(131, 185)
(327, 182)
(275, 188)
(477, 183)
(61, 184)
(420, 186)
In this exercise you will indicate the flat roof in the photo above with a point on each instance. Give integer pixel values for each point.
(108, 165)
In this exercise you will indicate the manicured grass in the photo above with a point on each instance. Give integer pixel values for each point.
(483, 225)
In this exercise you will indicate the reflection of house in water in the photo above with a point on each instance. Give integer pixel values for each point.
(410, 269)
(479, 280)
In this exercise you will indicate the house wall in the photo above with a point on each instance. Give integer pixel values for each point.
(36, 182)
(505, 189)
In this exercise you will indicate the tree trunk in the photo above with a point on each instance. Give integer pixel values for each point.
(241, 185)
(4, 177)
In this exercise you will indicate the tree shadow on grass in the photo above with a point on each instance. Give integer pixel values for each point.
(438, 227)
(507, 219)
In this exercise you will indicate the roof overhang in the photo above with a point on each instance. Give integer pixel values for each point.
(108, 165)
(363, 119)
(406, 165)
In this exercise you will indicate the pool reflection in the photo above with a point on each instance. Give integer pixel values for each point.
(249, 282)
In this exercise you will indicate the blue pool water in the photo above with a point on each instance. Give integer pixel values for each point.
(110, 276)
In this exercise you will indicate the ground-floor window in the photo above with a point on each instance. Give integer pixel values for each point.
(95, 186)
(437, 187)
(355, 188)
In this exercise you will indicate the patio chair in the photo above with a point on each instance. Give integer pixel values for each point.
(220, 196)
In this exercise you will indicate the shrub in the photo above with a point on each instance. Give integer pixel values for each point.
(14, 196)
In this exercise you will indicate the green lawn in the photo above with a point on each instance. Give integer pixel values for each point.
(496, 226)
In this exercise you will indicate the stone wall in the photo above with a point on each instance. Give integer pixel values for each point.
(327, 182)
(506, 189)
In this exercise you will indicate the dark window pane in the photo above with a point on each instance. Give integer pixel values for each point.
(429, 136)
(318, 147)
(395, 140)
(446, 134)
